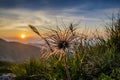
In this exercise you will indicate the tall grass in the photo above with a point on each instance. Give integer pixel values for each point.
(74, 57)
(31, 70)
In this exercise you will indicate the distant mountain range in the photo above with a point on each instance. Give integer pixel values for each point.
(17, 52)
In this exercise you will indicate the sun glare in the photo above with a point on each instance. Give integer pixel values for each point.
(23, 36)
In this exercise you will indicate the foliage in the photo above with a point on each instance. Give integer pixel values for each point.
(31, 70)
(113, 31)
(105, 77)
(90, 59)
(4, 67)
(115, 74)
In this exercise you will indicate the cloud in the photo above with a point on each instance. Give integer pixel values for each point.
(18, 19)
(59, 4)
(15, 15)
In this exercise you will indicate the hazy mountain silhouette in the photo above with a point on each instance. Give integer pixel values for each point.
(17, 52)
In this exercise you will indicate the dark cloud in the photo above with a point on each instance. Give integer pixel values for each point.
(59, 4)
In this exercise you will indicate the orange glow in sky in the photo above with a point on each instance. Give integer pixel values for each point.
(23, 36)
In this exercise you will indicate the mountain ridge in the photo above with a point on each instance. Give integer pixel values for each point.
(17, 52)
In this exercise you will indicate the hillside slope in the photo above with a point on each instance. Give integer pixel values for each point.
(17, 52)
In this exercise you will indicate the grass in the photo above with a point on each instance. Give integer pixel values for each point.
(91, 59)
(4, 67)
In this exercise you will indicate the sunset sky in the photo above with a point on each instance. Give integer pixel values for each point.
(16, 15)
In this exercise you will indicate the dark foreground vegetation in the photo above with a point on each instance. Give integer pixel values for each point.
(4, 67)
(74, 57)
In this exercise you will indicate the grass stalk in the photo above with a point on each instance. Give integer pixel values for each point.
(67, 68)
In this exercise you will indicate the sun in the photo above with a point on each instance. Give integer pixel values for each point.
(23, 36)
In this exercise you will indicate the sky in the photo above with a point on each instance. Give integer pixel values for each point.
(16, 15)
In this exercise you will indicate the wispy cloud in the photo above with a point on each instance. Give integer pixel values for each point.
(13, 18)
(15, 15)
(16, 20)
